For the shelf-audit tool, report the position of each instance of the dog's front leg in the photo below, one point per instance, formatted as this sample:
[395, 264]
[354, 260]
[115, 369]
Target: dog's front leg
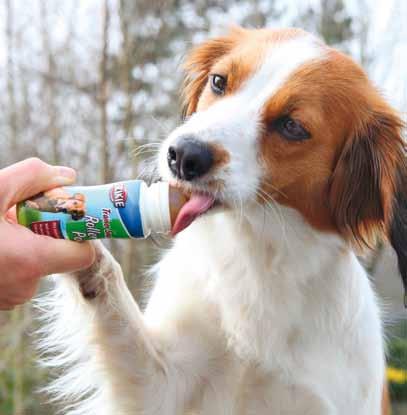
[112, 363]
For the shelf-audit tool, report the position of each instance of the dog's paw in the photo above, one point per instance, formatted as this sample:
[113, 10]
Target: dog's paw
[91, 286]
[93, 281]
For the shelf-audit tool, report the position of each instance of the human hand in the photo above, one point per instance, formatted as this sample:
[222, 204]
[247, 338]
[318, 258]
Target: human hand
[25, 257]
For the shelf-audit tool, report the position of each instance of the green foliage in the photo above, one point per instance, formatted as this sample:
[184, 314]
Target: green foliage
[397, 359]
[20, 376]
[6, 392]
[32, 404]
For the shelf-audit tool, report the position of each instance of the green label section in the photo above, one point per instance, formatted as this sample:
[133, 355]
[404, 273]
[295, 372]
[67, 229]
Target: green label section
[27, 216]
[91, 227]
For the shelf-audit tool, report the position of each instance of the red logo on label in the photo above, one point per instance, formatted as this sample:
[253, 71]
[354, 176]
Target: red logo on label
[48, 227]
[118, 195]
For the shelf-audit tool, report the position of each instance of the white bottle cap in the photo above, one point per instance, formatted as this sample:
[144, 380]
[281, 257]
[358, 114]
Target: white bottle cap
[155, 208]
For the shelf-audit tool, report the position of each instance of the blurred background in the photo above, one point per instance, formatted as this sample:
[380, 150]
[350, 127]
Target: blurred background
[93, 84]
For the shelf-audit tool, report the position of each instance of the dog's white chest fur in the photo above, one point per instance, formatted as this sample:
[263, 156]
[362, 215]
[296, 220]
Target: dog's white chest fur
[245, 318]
[277, 301]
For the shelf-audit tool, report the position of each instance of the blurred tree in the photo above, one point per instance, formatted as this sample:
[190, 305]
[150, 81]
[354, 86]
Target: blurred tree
[10, 71]
[103, 96]
[330, 20]
[50, 92]
[334, 24]
[49, 85]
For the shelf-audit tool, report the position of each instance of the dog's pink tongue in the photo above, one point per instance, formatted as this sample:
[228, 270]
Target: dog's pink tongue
[196, 205]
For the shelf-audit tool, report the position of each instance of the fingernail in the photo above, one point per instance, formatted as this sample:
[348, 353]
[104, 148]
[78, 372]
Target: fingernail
[65, 175]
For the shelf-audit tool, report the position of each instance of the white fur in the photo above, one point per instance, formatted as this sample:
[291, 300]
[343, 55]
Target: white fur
[254, 312]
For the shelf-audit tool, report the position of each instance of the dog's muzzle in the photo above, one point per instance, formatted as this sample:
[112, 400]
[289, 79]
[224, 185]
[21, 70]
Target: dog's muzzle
[189, 159]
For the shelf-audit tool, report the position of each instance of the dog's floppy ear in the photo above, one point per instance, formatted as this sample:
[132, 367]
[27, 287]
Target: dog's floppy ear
[198, 64]
[79, 196]
[365, 179]
[398, 226]
[368, 194]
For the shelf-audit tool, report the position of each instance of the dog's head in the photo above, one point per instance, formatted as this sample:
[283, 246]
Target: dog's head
[277, 114]
[73, 205]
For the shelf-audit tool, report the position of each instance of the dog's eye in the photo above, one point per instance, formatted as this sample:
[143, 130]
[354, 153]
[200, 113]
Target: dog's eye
[291, 129]
[218, 84]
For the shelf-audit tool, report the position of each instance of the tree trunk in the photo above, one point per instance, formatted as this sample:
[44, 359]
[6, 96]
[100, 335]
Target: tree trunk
[129, 256]
[103, 96]
[50, 85]
[103, 99]
[12, 106]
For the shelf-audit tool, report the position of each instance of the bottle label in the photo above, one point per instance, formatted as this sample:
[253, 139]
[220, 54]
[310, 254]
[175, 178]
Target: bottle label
[83, 213]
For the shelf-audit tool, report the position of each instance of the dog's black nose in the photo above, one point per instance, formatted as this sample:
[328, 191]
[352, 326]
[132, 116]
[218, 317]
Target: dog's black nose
[189, 159]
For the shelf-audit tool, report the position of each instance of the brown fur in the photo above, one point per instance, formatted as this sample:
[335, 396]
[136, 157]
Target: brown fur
[222, 56]
[343, 178]
[198, 65]
[386, 405]
[364, 180]
[221, 156]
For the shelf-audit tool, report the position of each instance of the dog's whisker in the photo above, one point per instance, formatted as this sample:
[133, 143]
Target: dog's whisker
[283, 223]
[254, 200]
[164, 129]
[241, 210]
[273, 207]
[145, 148]
[274, 188]
[142, 150]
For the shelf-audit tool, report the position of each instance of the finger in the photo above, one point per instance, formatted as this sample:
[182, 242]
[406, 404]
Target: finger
[11, 215]
[6, 306]
[58, 256]
[29, 177]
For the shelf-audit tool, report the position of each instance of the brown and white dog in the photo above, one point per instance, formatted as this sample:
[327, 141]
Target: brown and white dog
[59, 201]
[261, 306]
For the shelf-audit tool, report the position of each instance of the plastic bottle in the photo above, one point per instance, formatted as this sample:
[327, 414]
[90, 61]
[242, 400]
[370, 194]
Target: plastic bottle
[127, 209]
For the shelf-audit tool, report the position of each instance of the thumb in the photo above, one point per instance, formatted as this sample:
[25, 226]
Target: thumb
[29, 177]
